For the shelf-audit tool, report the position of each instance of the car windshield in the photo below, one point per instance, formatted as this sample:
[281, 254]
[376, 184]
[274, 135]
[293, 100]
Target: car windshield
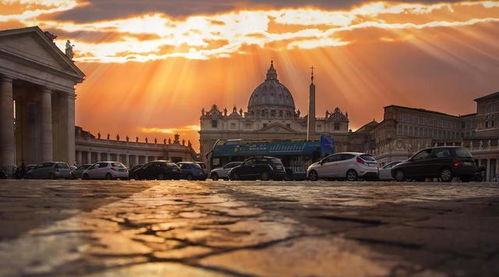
[276, 161]
[463, 153]
[368, 158]
[62, 165]
[230, 165]
[118, 165]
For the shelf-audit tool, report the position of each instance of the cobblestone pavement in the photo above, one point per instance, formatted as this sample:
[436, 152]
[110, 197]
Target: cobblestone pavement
[181, 228]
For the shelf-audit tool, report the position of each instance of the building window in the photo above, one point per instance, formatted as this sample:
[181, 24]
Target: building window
[288, 125]
[336, 126]
[272, 113]
[281, 113]
[264, 125]
[214, 124]
[233, 125]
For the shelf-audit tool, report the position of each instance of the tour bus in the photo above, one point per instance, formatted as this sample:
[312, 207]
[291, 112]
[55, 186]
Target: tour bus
[295, 155]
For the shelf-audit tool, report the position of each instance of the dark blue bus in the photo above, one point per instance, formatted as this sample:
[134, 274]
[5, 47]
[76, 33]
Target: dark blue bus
[295, 155]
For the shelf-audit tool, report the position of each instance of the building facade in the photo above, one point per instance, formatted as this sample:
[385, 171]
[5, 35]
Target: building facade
[271, 115]
[406, 130]
[37, 99]
[91, 149]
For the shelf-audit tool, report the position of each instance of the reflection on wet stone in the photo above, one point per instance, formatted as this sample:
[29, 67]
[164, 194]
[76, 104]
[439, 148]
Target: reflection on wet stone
[180, 228]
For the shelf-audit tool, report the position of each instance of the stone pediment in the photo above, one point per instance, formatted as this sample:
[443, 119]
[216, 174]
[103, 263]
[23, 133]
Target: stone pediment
[276, 128]
[33, 46]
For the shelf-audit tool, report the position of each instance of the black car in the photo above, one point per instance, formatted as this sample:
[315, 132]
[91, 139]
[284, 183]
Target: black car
[159, 170]
[259, 168]
[437, 162]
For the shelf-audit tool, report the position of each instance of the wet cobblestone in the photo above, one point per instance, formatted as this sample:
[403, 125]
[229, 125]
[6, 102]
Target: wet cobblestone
[181, 228]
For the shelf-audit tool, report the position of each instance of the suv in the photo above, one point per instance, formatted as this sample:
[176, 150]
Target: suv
[106, 170]
[259, 168]
[437, 162]
[49, 170]
[159, 170]
[347, 165]
[223, 172]
[192, 171]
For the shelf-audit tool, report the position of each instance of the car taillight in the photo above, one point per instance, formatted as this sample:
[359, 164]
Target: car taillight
[360, 160]
[456, 164]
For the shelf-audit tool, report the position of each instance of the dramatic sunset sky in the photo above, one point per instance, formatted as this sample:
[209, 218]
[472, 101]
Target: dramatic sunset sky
[152, 65]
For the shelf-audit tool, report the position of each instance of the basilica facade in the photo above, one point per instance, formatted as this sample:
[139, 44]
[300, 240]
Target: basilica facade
[271, 115]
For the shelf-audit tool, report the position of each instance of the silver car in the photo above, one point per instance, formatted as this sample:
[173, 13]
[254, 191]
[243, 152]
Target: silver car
[49, 170]
[223, 172]
[106, 170]
[347, 165]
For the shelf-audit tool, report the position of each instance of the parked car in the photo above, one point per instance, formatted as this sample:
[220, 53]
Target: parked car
[437, 162]
[49, 170]
[347, 165]
[3, 175]
[385, 173]
[259, 168]
[78, 172]
[191, 171]
[106, 170]
[223, 172]
[156, 170]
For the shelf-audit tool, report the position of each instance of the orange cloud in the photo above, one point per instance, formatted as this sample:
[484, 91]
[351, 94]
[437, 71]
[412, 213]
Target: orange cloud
[157, 36]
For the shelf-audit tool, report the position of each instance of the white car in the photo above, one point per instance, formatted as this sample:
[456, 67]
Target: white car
[385, 173]
[106, 170]
[346, 165]
[223, 172]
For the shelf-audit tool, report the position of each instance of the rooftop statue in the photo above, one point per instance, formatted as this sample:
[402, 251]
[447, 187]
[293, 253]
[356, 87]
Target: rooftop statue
[69, 49]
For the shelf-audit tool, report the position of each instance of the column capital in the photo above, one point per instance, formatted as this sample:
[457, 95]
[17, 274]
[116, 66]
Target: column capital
[6, 79]
[47, 90]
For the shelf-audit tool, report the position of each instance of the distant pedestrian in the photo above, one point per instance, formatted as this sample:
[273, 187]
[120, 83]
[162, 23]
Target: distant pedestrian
[22, 171]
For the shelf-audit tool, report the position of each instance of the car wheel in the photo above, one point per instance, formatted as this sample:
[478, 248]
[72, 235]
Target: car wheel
[420, 179]
[446, 175]
[51, 176]
[313, 176]
[214, 177]
[161, 176]
[399, 176]
[85, 176]
[265, 176]
[352, 175]
[109, 176]
[190, 177]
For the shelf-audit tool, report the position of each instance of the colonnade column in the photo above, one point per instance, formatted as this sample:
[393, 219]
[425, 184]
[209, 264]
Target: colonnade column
[7, 136]
[487, 178]
[47, 139]
[89, 157]
[70, 127]
[79, 157]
